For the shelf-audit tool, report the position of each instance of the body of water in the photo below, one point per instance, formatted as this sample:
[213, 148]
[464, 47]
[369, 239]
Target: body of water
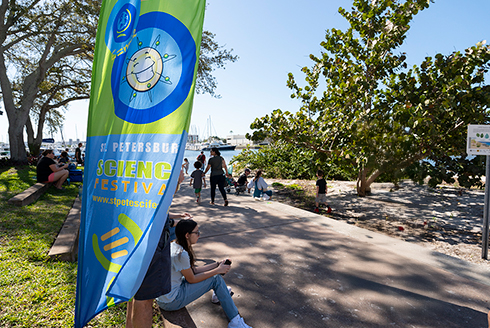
[191, 155]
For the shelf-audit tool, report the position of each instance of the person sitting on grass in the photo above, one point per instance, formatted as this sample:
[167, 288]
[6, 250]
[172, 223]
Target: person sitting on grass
[48, 171]
[64, 158]
[189, 282]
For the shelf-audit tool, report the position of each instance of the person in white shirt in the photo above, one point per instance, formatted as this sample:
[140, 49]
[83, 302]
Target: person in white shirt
[260, 186]
[189, 282]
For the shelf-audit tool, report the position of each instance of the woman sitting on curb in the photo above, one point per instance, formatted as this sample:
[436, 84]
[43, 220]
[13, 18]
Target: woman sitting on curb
[260, 186]
[50, 171]
[190, 282]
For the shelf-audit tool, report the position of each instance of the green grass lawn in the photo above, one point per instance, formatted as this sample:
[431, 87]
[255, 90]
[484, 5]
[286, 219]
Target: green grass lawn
[36, 291]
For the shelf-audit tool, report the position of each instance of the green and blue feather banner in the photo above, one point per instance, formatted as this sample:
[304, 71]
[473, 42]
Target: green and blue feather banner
[143, 83]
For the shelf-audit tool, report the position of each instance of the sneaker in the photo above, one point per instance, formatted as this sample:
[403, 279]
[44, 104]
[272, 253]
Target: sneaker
[316, 210]
[329, 209]
[214, 298]
[237, 322]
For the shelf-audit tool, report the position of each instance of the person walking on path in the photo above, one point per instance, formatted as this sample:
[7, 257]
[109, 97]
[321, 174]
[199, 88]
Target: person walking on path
[198, 180]
[202, 158]
[189, 282]
[321, 192]
[217, 164]
[50, 171]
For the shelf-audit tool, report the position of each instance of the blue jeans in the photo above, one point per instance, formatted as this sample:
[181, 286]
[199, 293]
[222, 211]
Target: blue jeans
[258, 192]
[172, 233]
[191, 292]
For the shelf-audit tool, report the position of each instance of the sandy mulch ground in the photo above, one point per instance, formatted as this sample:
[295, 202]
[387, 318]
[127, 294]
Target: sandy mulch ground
[446, 219]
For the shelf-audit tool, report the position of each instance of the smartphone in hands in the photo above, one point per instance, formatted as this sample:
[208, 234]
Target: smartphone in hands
[227, 262]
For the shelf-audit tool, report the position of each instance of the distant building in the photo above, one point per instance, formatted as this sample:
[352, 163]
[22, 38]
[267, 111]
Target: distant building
[238, 140]
[192, 138]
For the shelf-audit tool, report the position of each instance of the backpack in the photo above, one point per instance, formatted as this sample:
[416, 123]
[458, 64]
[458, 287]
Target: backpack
[257, 192]
[76, 176]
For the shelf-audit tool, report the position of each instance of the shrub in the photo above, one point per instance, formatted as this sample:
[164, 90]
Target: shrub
[286, 161]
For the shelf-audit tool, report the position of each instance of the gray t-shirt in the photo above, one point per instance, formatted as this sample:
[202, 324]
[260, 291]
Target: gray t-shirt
[216, 163]
[197, 176]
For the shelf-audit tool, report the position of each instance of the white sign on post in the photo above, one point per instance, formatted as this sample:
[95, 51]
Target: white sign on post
[478, 140]
[478, 143]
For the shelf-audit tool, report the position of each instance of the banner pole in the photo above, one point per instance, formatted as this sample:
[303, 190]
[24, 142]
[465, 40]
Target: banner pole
[484, 253]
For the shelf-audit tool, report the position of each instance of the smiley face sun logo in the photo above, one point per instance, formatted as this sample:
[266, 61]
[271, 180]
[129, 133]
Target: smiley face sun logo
[145, 70]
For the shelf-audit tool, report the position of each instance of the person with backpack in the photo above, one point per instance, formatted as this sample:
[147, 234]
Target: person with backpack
[202, 158]
[260, 186]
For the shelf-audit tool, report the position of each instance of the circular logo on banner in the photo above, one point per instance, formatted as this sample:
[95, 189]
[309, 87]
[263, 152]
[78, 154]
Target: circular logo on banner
[120, 26]
[153, 76]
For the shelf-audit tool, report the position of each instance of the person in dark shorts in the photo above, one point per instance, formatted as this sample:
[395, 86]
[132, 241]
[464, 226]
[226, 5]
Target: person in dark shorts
[198, 180]
[321, 192]
[139, 313]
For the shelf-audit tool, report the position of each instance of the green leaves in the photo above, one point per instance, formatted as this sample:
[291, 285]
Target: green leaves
[372, 108]
[212, 56]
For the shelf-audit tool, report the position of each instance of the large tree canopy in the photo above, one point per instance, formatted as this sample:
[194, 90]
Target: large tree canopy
[373, 111]
[43, 52]
[46, 53]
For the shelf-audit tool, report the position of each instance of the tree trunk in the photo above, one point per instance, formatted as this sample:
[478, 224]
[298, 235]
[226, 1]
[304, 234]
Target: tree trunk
[364, 182]
[34, 143]
[16, 139]
[16, 116]
[361, 182]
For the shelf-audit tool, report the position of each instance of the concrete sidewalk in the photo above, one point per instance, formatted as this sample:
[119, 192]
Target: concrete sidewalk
[293, 268]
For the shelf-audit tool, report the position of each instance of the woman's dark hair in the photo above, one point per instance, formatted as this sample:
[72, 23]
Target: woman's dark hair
[182, 228]
[216, 151]
[64, 154]
[197, 165]
[257, 175]
[47, 152]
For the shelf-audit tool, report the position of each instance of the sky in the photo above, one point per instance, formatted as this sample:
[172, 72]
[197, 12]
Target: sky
[273, 38]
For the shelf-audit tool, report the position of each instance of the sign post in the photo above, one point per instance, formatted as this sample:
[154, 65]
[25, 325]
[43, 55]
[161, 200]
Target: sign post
[484, 251]
[478, 143]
